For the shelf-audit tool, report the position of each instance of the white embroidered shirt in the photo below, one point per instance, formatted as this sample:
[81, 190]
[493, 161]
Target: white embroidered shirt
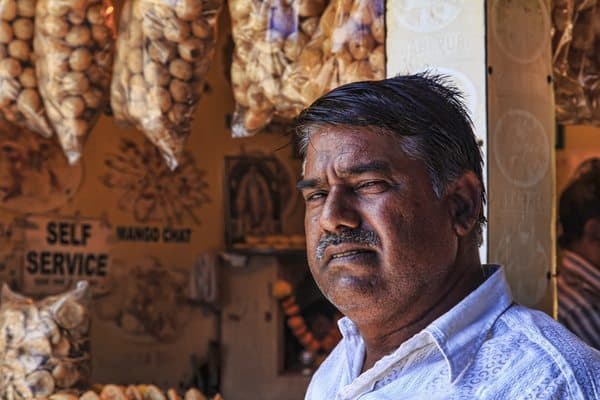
[485, 347]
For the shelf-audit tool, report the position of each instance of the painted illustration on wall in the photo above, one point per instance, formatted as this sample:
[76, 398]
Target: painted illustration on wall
[12, 249]
[147, 301]
[34, 174]
[149, 190]
[253, 197]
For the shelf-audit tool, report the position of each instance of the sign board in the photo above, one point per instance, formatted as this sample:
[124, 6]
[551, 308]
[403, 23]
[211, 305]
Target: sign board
[60, 251]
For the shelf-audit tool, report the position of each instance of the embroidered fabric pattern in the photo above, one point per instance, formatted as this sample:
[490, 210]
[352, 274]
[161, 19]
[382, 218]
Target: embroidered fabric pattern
[522, 354]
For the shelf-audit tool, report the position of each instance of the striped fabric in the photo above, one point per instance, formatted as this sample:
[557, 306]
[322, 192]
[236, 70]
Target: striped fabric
[579, 297]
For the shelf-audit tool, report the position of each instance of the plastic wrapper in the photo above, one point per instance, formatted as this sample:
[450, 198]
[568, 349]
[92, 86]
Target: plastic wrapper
[289, 53]
[269, 36]
[576, 61]
[74, 52]
[164, 50]
[348, 46]
[44, 346]
[20, 101]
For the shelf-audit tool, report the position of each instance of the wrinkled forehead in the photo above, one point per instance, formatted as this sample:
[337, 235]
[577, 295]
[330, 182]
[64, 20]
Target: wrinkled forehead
[343, 147]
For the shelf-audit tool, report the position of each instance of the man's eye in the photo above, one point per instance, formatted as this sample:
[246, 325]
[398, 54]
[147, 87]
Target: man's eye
[315, 196]
[371, 187]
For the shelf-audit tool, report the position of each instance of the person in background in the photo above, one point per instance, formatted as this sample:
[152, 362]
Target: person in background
[392, 183]
[579, 272]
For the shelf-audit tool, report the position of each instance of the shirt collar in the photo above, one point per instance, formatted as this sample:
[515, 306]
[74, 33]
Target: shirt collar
[347, 327]
[460, 332]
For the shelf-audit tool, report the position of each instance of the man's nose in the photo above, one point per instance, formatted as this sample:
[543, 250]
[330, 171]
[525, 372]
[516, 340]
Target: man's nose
[339, 210]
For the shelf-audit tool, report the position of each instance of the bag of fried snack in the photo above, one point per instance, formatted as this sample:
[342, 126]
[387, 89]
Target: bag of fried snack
[20, 101]
[164, 50]
[347, 47]
[44, 345]
[576, 61]
[269, 36]
[74, 51]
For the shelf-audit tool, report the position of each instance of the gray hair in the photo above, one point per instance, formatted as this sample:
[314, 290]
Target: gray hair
[423, 111]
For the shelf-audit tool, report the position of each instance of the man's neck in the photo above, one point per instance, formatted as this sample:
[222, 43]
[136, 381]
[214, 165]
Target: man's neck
[381, 342]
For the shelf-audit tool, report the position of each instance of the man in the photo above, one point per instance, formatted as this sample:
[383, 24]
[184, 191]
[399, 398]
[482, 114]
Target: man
[579, 274]
[393, 190]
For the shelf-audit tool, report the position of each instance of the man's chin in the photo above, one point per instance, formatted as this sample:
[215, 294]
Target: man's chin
[351, 292]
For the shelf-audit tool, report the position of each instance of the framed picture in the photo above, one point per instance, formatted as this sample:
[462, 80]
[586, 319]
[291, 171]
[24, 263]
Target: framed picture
[253, 199]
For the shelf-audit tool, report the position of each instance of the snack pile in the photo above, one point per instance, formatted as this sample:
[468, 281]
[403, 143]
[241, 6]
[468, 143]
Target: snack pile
[132, 392]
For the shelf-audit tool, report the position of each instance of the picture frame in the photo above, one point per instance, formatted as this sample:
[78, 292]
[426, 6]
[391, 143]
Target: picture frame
[253, 199]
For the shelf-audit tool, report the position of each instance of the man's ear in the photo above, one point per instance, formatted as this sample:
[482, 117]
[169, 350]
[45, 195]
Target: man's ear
[591, 229]
[464, 200]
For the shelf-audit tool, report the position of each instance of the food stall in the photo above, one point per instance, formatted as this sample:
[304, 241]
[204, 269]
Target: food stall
[145, 149]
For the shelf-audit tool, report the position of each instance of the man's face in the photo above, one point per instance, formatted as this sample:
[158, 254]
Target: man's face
[379, 241]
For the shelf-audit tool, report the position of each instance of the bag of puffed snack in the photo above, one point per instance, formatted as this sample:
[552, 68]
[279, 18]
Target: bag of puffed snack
[348, 46]
[164, 50]
[73, 46]
[20, 101]
[576, 61]
[269, 36]
[44, 345]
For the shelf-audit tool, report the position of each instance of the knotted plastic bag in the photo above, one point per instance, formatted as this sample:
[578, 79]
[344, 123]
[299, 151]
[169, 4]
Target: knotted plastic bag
[20, 101]
[348, 46]
[288, 53]
[44, 345]
[576, 61]
[73, 44]
[164, 50]
[269, 37]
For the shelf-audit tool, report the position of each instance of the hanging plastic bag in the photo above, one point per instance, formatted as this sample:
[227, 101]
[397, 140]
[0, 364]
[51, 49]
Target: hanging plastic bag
[44, 346]
[348, 46]
[164, 50]
[289, 53]
[576, 61]
[20, 101]
[74, 51]
[269, 37]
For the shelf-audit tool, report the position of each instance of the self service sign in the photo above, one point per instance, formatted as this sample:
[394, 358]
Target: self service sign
[61, 251]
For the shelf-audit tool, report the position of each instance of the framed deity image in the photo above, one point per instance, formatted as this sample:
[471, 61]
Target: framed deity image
[253, 201]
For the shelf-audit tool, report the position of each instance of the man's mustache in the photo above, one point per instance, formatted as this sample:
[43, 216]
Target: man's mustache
[355, 236]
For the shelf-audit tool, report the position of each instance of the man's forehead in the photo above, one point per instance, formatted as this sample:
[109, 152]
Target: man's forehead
[343, 145]
[341, 142]
[341, 158]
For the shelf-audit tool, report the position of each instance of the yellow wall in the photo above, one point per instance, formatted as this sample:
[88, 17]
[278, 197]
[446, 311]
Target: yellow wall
[580, 142]
[582, 137]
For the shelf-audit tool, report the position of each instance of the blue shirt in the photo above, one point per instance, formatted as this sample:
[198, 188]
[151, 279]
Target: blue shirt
[485, 347]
